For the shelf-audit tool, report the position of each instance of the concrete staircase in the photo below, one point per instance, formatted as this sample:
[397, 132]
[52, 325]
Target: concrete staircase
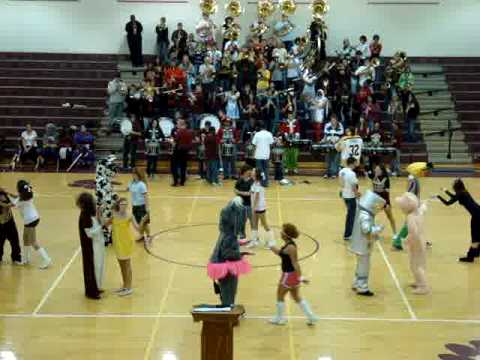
[430, 77]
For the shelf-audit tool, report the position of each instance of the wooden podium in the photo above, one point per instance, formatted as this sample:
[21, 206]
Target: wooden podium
[217, 332]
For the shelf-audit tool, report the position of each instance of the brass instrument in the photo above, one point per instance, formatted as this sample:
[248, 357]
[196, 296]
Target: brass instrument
[208, 7]
[259, 27]
[234, 8]
[232, 32]
[287, 7]
[265, 8]
[375, 62]
[319, 9]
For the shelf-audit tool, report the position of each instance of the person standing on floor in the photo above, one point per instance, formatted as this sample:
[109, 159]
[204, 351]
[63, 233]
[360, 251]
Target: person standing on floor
[415, 171]
[24, 203]
[227, 263]
[464, 198]
[259, 207]
[291, 278]
[242, 189]
[381, 186]
[130, 144]
[140, 202]
[365, 233]
[123, 242]
[92, 243]
[333, 133]
[349, 193]
[183, 143]
[8, 229]
[134, 38]
[416, 244]
[262, 140]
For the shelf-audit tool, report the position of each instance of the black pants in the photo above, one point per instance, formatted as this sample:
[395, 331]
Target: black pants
[8, 231]
[475, 229]
[152, 164]
[178, 166]
[135, 46]
[228, 289]
[129, 149]
[201, 168]
[350, 219]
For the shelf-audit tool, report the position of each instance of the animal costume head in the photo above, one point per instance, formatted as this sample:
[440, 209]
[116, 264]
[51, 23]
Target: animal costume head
[408, 203]
[372, 202]
[419, 169]
[105, 171]
[232, 220]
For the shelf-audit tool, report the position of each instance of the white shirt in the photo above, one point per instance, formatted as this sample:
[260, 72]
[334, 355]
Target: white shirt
[349, 181]
[281, 54]
[138, 189]
[207, 73]
[27, 210]
[351, 147]
[365, 49]
[30, 138]
[262, 140]
[364, 73]
[258, 191]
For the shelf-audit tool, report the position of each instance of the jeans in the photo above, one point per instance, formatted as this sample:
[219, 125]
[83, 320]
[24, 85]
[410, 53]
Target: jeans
[354, 85]
[262, 167]
[115, 113]
[411, 129]
[152, 164]
[212, 171]
[201, 168]
[229, 165]
[351, 210]
[333, 162]
[129, 149]
[162, 51]
[395, 165]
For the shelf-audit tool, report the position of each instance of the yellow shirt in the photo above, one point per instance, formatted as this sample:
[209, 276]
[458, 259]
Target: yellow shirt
[122, 237]
[263, 80]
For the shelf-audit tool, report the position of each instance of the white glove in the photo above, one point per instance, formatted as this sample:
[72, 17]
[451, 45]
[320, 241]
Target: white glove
[376, 229]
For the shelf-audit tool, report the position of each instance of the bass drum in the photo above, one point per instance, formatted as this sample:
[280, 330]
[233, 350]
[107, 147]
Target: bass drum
[167, 126]
[204, 118]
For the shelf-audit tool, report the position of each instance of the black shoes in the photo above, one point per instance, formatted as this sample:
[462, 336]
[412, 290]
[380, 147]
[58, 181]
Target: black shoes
[471, 255]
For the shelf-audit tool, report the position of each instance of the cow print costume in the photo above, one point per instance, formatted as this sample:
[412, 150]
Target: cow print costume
[105, 171]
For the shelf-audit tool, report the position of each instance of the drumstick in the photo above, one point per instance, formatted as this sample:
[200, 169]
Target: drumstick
[74, 162]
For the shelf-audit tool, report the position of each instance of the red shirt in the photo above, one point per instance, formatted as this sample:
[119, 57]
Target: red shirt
[184, 139]
[236, 135]
[211, 147]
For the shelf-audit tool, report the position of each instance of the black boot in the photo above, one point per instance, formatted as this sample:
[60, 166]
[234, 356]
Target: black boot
[471, 255]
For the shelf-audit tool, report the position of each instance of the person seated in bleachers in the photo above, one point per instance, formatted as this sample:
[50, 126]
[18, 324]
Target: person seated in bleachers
[28, 149]
[84, 143]
[49, 149]
[65, 147]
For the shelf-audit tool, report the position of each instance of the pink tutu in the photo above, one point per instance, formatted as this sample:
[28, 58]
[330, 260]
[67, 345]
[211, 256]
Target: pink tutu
[217, 271]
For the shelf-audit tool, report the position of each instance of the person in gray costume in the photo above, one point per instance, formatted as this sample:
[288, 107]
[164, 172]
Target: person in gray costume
[227, 263]
[365, 233]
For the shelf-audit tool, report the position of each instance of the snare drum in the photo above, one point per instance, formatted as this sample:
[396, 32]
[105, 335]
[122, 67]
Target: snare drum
[277, 154]
[227, 150]
[152, 148]
[201, 152]
[167, 126]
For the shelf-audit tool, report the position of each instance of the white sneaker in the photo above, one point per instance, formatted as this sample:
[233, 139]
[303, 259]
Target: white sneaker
[19, 263]
[312, 320]
[45, 264]
[253, 243]
[125, 292]
[278, 321]
[117, 291]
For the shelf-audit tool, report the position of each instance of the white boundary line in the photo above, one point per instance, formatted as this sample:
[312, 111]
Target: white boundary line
[56, 282]
[250, 317]
[413, 316]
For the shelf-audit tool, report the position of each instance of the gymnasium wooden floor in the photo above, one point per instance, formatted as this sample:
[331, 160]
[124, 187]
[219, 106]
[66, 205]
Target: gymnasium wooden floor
[44, 315]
